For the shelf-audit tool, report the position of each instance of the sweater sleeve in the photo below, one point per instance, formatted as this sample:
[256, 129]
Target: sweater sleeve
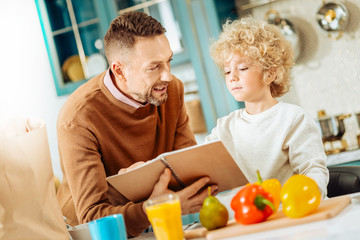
[213, 136]
[86, 177]
[306, 152]
[184, 136]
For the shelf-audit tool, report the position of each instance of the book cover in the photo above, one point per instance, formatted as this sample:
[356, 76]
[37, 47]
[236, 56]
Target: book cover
[187, 165]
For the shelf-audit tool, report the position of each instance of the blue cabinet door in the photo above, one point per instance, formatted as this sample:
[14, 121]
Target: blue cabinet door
[73, 31]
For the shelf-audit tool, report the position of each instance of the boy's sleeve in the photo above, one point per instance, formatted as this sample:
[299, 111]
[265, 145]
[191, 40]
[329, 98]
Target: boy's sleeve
[213, 136]
[306, 151]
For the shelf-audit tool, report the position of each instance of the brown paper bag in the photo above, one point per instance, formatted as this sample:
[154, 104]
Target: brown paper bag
[28, 205]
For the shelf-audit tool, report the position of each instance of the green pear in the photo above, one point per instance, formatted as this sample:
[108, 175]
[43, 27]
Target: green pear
[213, 214]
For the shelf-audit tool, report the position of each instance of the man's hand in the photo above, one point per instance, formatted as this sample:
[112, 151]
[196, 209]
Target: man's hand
[191, 201]
[135, 165]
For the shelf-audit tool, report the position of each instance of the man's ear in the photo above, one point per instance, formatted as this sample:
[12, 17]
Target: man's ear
[270, 75]
[118, 70]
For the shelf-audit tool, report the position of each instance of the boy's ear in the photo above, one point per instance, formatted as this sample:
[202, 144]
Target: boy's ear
[270, 75]
[118, 70]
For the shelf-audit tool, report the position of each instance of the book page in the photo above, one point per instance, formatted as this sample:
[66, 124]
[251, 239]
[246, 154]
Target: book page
[212, 160]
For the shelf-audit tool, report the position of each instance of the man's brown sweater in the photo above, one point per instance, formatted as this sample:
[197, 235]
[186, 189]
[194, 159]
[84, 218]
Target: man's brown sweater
[98, 135]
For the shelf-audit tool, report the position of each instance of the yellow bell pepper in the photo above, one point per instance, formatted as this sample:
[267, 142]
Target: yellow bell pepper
[271, 186]
[300, 196]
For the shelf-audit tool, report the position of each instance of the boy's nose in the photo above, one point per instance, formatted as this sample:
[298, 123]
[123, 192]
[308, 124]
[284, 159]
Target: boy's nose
[234, 77]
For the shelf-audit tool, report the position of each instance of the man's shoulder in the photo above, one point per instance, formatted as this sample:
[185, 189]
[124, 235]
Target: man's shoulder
[80, 100]
[175, 91]
[176, 84]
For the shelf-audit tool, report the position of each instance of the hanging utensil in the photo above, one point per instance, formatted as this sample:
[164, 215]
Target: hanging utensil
[287, 28]
[333, 17]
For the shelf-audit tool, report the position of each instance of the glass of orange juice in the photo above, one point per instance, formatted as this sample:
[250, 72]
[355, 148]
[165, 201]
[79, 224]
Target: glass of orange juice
[164, 214]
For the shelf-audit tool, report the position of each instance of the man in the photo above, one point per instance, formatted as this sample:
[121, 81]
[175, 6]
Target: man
[131, 113]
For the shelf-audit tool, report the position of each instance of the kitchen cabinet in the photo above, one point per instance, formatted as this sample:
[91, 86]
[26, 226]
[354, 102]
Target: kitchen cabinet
[73, 32]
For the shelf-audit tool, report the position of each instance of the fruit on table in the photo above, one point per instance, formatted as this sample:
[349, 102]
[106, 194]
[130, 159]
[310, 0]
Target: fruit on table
[252, 204]
[213, 214]
[272, 186]
[300, 196]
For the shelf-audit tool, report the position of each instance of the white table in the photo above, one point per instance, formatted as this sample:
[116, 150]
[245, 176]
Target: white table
[346, 225]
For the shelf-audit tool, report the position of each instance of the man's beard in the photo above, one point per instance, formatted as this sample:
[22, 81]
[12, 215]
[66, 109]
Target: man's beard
[149, 98]
[157, 102]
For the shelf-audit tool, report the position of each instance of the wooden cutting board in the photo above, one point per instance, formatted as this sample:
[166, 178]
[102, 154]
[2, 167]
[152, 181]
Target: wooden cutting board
[327, 209]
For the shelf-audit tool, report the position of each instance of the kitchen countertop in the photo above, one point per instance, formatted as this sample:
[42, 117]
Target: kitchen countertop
[343, 157]
[343, 226]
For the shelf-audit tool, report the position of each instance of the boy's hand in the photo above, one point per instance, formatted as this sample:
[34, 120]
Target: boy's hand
[191, 201]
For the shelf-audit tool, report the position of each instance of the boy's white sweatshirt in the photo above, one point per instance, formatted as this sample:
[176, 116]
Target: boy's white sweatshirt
[280, 142]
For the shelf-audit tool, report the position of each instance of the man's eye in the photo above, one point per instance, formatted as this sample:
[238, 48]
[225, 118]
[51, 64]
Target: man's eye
[153, 68]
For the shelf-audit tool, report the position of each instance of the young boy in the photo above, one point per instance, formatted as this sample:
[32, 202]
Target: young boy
[277, 138]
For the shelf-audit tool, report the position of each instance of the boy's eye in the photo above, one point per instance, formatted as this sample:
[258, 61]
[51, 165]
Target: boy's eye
[227, 72]
[243, 69]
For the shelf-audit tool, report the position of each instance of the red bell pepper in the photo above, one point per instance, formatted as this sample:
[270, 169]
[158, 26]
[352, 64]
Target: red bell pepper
[252, 204]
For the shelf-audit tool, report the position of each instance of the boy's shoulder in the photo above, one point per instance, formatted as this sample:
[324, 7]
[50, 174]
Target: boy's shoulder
[234, 114]
[229, 119]
[292, 108]
[295, 112]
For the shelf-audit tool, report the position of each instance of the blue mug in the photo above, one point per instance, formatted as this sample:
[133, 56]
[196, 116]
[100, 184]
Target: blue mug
[111, 227]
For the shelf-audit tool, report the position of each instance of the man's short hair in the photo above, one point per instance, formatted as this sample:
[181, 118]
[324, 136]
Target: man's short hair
[123, 31]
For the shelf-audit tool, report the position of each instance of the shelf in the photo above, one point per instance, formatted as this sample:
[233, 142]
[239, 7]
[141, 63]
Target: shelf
[80, 25]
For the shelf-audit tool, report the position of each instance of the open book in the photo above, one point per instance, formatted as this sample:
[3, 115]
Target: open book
[187, 165]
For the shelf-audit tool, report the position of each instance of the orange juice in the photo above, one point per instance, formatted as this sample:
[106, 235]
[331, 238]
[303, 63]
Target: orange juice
[164, 214]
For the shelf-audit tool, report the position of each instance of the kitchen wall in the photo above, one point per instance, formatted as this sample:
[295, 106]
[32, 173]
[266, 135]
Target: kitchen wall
[327, 73]
[27, 87]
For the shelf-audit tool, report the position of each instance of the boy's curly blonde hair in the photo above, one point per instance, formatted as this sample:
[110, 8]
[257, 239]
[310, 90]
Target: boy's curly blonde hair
[262, 44]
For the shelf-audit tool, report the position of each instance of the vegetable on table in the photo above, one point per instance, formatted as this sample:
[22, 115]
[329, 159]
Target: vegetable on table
[272, 186]
[252, 204]
[300, 196]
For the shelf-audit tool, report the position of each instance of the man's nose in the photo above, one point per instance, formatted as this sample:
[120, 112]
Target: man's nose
[166, 75]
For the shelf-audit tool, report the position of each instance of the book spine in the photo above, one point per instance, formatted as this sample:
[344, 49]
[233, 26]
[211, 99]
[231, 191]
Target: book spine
[173, 173]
